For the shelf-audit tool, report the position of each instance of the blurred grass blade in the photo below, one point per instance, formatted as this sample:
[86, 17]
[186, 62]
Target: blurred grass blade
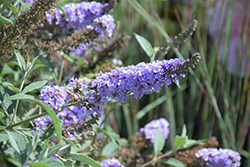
[150, 106]
[170, 110]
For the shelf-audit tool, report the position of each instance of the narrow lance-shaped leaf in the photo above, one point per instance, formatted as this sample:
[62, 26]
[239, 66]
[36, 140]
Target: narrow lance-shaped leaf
[38, 164]
[34, 85]
[20, 60]
[12, 86]
[50, 162]
[146, 46]
[54, 118]
[20, 143]
[4, 20]
[65, 14]
[85, 158]
[20, 96]
[45, 150]
[52, 114]
[13, 143]
[159, 142]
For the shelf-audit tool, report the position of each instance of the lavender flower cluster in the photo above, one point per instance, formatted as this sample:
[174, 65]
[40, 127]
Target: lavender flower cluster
[111, 162]
[40, 124]
[212, 157]
[88, 15]
[150, 129]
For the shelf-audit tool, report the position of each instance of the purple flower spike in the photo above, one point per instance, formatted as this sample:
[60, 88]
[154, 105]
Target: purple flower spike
[111, 162]
[119, 84]
[151, 128]
[212, 157]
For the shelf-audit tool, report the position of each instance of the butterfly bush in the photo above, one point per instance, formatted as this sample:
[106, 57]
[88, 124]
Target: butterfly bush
[213, 157]
[137, 80]
[150, 129]
[88, 96]
[111, 162]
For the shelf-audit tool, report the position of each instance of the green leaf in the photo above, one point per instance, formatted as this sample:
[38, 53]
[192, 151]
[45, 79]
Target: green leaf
[20, 60]
[113, 136]
[51, 162]
[159, 142]
[179, 141]
[172, 162]
[110, 149]
[53, 150]
[190, 142]
[35, 140]
[37, 66]
[38, 164]
[85, 159]
[44, 153]
[50, 67]
[12, 86]
[6, 104]
[184, 131]
[84, 146]
[4, 20]
[7, 70]
[146, 46]
[150, 106]
[3, 136]
[56, 122]
[14, 9]
[48, 133]
[13, 142]
[32, 64]
[34, 85]
[4, 5]
[81, 61]
[178, 84]
[52, 114]
[20, 143]
[20, 96]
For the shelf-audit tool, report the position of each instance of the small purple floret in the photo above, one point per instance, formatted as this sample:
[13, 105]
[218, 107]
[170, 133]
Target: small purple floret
[212, 157]
[111, 162]
[151, 128]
